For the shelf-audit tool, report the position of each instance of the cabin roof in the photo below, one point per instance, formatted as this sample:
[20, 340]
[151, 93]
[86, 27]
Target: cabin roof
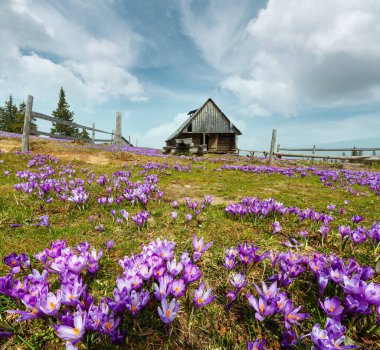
[192, 114]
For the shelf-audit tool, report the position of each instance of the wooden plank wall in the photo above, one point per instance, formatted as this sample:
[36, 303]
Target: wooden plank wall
[226, 142]
[211, 120]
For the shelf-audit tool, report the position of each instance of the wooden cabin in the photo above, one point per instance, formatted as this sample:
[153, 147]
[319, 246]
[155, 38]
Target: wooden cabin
[208, 128]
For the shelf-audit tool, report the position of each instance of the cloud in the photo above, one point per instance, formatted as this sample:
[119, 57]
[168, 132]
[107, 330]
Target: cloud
[292, 54]
[159, 134]
[45, 45]
[217, 29]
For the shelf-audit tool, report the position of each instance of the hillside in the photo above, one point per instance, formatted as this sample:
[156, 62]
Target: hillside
[310, 227]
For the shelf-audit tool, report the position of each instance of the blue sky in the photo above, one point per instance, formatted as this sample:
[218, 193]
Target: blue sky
[309, 70]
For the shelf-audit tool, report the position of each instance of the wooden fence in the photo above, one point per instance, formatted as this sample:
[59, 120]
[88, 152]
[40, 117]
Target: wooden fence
[285, 152]
[116, 137]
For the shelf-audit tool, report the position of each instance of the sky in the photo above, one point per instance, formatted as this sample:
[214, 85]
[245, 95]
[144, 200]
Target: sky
[308, 68]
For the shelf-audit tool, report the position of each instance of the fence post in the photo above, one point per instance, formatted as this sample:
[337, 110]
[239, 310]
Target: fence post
[93, 132]
[129, 140]
[26, 129]
[273, 142]
[118, 131]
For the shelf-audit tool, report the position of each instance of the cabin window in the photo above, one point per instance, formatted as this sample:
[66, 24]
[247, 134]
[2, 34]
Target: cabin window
[190, 127]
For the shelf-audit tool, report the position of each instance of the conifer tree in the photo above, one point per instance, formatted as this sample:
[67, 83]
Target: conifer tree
[8, 115]
[63, 112]
[85, 135]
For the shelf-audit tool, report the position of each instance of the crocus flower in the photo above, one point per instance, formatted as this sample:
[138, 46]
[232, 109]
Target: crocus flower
[76, 263]
[136, 301]
[356, 219]
[191, 273]
[332, 307]
[110, 244]
[267, 293]
[256, 345]
[167, 312]
[162, 290]
[276, 227]
[73, 334]
[199, 247]
[14, 261]
[261, 306]
[174, 215]
[372, 293]
[51, 305]
[202, 298]
[188, 217]
[178, 288]
[238, 280]
[292, 316]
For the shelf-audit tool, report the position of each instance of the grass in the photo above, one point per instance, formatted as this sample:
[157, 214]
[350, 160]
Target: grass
[212, 327]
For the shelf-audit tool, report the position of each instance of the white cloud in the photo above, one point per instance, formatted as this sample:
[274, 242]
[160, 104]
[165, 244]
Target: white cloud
[46, 45]
[159, 134]
[300, 53]
[216, 27]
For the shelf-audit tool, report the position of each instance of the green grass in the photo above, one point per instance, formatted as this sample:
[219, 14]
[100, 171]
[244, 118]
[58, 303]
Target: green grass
[212, 327]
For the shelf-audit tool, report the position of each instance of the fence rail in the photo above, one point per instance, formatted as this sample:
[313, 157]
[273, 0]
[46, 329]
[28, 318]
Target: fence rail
[65, 122]
[284, 152]
[117, 137]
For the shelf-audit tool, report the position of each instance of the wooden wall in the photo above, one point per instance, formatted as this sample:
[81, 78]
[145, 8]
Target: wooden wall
[211, 120]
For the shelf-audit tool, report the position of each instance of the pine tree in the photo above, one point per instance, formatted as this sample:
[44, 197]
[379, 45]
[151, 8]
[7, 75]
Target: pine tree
[8, 115]
[63, 112]
[18, 123]
[85, 135]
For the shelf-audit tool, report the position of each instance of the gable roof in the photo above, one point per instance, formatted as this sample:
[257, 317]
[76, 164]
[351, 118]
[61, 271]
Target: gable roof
[185, 124]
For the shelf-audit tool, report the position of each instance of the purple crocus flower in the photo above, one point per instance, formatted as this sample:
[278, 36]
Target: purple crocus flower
[188, 217]
[174, 215]
[178, 288]
[199, 247]
[261, 306]
[276, 227]
[51, 305]
[372, 293]
[267, 293]
[191, 273]
[356, 219]
[167, 312]
[238, 280]
[76, 263]
[174, 268]
[292, 316]
[14, 261]
[110, 244]
[202, 297]
[324, 230]
[136, 301]
[73, 334]
[256, 345]
[332, 307]
[163, 289]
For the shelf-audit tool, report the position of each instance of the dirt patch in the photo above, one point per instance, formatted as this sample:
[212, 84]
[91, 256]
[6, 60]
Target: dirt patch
[99, 159]
[180, 192]
[10, 145]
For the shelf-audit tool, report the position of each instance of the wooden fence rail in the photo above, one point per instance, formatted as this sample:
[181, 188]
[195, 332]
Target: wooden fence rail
[280, 152]
[117, 138]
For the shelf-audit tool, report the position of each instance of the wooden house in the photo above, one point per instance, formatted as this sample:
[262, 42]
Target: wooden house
[209, 128]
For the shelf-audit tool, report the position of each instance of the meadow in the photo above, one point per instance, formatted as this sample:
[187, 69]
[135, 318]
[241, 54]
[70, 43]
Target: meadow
[106, 249]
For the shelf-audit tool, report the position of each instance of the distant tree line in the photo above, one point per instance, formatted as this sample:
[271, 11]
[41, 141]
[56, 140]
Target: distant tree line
[12, 118]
